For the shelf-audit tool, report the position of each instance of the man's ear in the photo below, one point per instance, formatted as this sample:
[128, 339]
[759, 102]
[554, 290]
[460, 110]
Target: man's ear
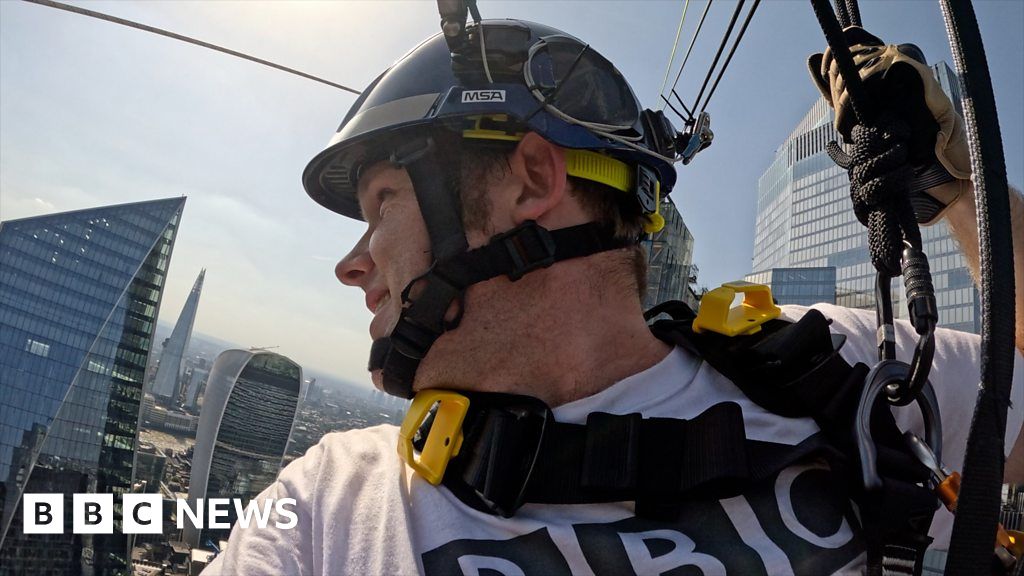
[540, 166]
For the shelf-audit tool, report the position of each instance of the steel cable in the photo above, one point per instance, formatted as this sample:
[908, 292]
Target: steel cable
[182, 38]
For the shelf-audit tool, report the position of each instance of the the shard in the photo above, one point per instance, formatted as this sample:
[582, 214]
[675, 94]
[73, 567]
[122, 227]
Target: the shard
[167, 382]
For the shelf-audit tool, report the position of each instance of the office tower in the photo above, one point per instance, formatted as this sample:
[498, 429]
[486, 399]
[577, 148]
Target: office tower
[167, 383]
[804, 286]
[248, 411]
[670, 260]
[79, 294]
[309, 392]
[196, 383]
[149, 467]
[805, 219]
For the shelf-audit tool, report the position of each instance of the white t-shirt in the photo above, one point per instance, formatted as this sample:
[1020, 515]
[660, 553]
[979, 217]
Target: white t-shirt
[362, 511]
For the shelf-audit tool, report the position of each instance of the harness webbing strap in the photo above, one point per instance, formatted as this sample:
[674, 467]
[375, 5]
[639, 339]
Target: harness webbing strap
[656, 462]
[513, 452]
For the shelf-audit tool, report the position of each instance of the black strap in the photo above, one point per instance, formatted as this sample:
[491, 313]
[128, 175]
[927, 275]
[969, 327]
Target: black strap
[427, 299]
[528, 247]
[431, 166]
[656, 462]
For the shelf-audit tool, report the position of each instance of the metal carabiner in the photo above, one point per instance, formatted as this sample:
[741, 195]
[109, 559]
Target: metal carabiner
[885, 374]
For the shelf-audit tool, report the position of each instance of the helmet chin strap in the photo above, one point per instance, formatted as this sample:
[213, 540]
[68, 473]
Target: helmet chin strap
[427, 300]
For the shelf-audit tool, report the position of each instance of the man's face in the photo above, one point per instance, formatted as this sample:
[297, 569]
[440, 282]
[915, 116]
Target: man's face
[394, 250]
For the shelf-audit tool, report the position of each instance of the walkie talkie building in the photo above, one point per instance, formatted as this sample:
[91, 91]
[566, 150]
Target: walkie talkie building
[247, 417]
[79, 294]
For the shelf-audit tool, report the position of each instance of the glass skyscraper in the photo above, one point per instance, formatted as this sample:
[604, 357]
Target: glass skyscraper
[803, 286]
[247, 417]
[805, 219]
[79, 294]
[669, 260]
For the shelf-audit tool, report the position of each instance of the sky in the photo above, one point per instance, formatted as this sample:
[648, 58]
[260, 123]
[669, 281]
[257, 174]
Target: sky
[93, 114]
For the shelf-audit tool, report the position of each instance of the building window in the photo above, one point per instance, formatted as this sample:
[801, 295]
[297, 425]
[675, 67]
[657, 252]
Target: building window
[38, 348]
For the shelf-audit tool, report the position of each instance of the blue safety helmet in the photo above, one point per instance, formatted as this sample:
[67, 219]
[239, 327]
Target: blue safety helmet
[535, 77]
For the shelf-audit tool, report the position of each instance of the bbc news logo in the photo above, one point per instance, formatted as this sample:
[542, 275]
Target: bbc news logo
[143, 513]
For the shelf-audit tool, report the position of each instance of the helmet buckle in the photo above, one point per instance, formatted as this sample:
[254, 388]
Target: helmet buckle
[529, 247]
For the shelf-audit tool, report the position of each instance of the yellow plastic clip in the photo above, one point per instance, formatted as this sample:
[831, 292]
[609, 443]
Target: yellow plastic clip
[445, 437]
[717, 315]
[655, 222]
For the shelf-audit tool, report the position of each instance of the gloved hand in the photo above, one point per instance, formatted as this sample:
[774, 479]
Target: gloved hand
[898, 78]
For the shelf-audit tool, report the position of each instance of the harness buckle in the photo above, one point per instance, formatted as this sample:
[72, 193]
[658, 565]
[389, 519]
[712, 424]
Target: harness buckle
[412, 340]
[530, 247]
[440, 413]
[504, 434]
[419, 325]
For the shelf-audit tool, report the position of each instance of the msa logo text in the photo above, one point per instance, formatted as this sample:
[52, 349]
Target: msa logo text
[483, 96]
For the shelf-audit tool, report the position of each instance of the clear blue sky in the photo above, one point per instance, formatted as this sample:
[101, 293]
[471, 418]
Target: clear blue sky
[92, 113]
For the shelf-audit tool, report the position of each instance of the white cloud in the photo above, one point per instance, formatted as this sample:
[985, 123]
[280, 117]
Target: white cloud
[44, 205]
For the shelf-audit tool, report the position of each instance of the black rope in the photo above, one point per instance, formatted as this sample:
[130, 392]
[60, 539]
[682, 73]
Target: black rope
[732, 51]
[844, 60]
[842, 13]
[721, 47]
[176, 36]
[679, 100]
[853, 10]
[690, 48]
[673, 108]
[879, 177]
[973, 536]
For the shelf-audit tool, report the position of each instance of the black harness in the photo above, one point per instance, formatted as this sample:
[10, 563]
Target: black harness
[513, 452]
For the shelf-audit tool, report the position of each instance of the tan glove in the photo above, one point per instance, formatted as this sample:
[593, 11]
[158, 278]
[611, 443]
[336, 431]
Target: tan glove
[896, 76]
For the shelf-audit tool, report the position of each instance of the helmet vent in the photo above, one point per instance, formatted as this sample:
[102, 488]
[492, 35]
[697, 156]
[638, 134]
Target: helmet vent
[336, 177]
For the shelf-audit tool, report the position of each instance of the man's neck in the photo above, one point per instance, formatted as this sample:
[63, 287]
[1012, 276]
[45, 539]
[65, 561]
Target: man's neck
[557, 334]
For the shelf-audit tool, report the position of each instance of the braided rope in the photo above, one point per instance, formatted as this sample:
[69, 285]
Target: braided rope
[879, 180]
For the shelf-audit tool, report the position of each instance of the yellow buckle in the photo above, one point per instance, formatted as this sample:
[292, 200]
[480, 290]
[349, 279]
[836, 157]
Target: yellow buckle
[444, 439]
[717, 314]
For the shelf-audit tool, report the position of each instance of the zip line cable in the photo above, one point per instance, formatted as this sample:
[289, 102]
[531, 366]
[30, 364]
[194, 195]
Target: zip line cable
[175, 36]
[728, 58]
[714, 64]
[672, 56]
[689, 50]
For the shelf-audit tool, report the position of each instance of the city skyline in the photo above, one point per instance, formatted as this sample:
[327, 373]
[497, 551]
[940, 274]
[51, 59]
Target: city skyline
[96, 114]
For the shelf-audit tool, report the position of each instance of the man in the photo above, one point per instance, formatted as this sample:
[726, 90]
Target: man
[504, 178]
